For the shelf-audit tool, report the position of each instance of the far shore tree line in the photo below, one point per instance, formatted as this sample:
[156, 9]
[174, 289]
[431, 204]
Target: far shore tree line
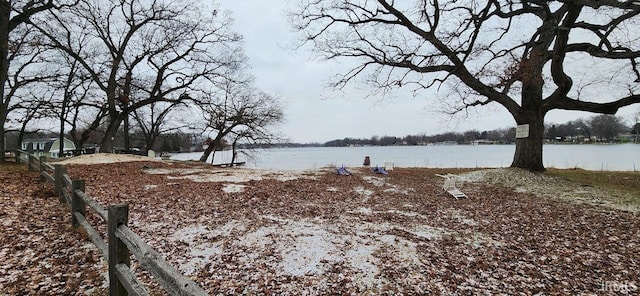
[597, 129]
[128, 74]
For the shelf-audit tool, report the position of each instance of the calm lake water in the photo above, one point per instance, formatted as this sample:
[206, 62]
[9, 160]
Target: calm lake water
[618, 157]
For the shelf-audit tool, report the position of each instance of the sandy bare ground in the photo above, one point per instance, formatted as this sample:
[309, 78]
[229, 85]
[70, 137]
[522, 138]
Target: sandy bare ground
[99, 158]
[237, 231]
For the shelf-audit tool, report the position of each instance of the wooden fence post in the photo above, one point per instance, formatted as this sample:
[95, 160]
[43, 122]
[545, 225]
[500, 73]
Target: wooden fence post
[118, 251]
[17, 156]
[77, 203]
[30, 161]
[42, 159]
[59, 184]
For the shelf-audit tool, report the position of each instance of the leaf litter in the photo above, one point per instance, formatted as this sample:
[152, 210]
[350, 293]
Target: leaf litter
[318, 233]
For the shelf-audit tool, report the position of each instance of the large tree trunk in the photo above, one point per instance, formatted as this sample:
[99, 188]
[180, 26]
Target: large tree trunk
[61, 136]
[127, 144]
[5, 14]
[207, 152]
[234, 153]
[149, 142]
[215, 143]
[2, 141]
[528, 153]
[106, 146]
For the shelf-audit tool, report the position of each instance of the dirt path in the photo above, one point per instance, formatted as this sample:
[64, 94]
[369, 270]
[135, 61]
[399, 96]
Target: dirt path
[41, 254]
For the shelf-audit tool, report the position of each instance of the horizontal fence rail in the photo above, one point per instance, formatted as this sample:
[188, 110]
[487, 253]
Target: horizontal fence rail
[121, 241]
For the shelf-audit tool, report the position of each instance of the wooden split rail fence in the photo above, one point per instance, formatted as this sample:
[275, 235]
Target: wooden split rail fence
[121, 241]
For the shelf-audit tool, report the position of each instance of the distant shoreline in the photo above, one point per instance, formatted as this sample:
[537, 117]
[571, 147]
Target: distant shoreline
[598, 157]
[299, 145]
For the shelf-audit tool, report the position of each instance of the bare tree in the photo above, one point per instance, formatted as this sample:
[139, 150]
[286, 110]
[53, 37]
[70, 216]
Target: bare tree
[153, 121]
[71, 91]
[242, 112]
[583, 128]
[157, 50]
[17, 52]
[29, 109]
[259, 132]
[526, 56]
[606, 127]
[75, 98]
[25, 99]
[83, 113]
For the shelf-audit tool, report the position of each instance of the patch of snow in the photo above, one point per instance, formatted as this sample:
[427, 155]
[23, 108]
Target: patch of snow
[403, 251]
[219, 178]
[375, 181]
[150, 186]
[379, 182]
[196, 233]
[233, 188]
[201, 247]
[287, 177]
[188, 234]
[363, 210]
[520, 189]
[155, 225]
[275, 218]
[428, 232]
[199, 256]
[307, 252]
[156, 171]
[457, 214]
[360, 190]
[406, 214]
[231, 175]
[260, 238]
[307, 246]
[396, 189]
[361, 258]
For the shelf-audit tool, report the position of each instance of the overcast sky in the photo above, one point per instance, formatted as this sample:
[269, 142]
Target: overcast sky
[315, 113]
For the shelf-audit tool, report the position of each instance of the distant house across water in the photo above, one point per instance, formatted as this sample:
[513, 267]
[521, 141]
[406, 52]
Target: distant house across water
[49, 147]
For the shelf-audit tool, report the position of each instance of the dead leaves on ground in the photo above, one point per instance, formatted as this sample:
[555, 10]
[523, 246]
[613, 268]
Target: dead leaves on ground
[41, 253]
[415, 238]
[499, 241]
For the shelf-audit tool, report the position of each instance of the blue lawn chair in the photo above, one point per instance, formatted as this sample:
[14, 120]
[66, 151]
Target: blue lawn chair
[343, 171]
[379, 170]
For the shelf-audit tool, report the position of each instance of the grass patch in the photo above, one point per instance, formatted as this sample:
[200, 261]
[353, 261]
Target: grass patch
[624, 184]
[629, 181]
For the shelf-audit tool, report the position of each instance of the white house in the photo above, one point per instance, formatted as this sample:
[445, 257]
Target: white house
[49, 147]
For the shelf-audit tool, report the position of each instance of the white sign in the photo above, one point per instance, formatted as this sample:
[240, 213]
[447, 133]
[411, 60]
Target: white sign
[522, 131]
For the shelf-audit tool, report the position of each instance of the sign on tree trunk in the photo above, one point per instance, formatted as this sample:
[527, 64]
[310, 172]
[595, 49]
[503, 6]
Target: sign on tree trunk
[522, 131]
